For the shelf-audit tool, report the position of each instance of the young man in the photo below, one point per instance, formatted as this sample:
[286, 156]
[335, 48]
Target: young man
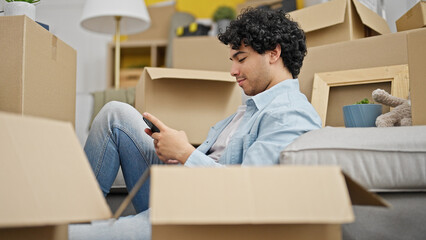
[267, 51]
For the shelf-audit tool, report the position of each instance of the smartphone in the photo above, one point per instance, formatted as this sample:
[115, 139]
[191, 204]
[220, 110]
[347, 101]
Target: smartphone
[151, 126]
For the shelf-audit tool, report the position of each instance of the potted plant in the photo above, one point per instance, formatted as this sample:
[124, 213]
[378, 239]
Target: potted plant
[361, 114]
[20, 7]
[223, 16]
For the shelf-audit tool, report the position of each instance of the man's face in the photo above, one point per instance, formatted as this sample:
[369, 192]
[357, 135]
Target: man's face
[251, 70]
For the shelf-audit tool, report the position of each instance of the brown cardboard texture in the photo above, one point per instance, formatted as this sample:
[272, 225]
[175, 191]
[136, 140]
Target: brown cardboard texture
[189, 100]
[414, 18]
[38, 71]
[290, 202]
[187, 52]
[161, 17]
[46, 177]
[337, 21]
[258, 3]
[387, 50]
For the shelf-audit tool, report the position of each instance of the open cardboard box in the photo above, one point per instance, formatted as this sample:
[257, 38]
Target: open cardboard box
[189, 100]
[279, 202]
[387, 50]
[37, 71]
[414, 18]
[337, 21]
[46, 181]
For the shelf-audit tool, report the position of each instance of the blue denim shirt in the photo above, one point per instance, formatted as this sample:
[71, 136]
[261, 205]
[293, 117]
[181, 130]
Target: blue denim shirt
[273, 119]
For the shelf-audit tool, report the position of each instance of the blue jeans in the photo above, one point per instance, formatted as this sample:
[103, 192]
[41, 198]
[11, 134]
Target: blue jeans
[117, 138]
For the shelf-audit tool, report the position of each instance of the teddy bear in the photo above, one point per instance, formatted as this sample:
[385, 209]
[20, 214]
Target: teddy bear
[400, 115]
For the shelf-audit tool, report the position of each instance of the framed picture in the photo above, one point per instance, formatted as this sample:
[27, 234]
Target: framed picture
[397, 75]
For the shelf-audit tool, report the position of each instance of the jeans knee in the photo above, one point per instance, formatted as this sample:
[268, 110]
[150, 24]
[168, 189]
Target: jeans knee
[115, 106]
[113, 112]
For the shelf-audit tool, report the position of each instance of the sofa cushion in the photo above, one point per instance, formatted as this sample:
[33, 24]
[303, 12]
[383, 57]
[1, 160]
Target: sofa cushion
[381, 159]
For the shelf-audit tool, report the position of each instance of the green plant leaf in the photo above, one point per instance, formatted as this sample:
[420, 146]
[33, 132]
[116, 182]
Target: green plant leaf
[28, 1]
[224, 12]
[364, 101]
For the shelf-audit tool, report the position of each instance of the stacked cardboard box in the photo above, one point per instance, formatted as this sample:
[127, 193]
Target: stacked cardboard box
[391, 49]
[338, 21]
[37, 71]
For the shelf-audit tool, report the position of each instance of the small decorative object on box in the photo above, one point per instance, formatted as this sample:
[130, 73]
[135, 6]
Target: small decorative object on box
[223, 16]
[399, 116]
[193, 29]
[361, 114]
[20, 7]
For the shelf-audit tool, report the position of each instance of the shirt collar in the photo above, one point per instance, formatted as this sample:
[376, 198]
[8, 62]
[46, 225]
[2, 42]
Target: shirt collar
[262, 99]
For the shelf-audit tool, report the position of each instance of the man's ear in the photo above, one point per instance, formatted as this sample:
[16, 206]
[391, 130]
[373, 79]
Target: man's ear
[275, 54]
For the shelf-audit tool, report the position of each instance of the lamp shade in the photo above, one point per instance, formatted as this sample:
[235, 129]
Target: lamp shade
[99, 16]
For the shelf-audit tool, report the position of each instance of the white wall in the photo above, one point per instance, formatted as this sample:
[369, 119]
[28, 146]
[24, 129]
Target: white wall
[63, 16]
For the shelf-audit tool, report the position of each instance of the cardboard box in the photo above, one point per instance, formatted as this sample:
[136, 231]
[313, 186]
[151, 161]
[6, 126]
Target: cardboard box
[280, 202]
[259, 3]
[46, 178]
[414, 18]
[391, 49]
[37, 71]
[189, 100]
[338, 21]
[187, 51]
[129, 77]
[161, 18]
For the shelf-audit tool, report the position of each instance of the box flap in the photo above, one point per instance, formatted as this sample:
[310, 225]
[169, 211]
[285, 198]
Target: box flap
[413, 18]
[172, 73]
[235, 195]
[45, 175]
[321, 15]
[371, 19]
[360, 196]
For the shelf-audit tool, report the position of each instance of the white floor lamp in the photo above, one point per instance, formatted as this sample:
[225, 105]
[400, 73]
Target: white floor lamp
[115, 17]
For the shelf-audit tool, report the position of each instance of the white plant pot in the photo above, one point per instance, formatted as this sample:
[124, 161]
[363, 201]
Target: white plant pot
[222, 25]
[19, 8]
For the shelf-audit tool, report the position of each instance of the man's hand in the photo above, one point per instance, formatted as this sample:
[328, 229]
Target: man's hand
[170, 144]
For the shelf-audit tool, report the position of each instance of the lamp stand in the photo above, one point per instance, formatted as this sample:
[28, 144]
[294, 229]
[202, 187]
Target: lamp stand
[117, 52]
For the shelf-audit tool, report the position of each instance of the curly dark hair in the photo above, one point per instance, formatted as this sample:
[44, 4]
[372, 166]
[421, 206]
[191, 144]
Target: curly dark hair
[263, 29]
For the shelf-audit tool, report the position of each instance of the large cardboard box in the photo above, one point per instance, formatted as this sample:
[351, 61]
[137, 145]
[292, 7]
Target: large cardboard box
[338, 21]
[187, 51]
[37, 71]
[280, 202]
[391, 49]
[46, 181]
[189, 100]
[414, 18]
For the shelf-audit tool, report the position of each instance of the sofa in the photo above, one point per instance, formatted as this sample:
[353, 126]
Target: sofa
[388, 161]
